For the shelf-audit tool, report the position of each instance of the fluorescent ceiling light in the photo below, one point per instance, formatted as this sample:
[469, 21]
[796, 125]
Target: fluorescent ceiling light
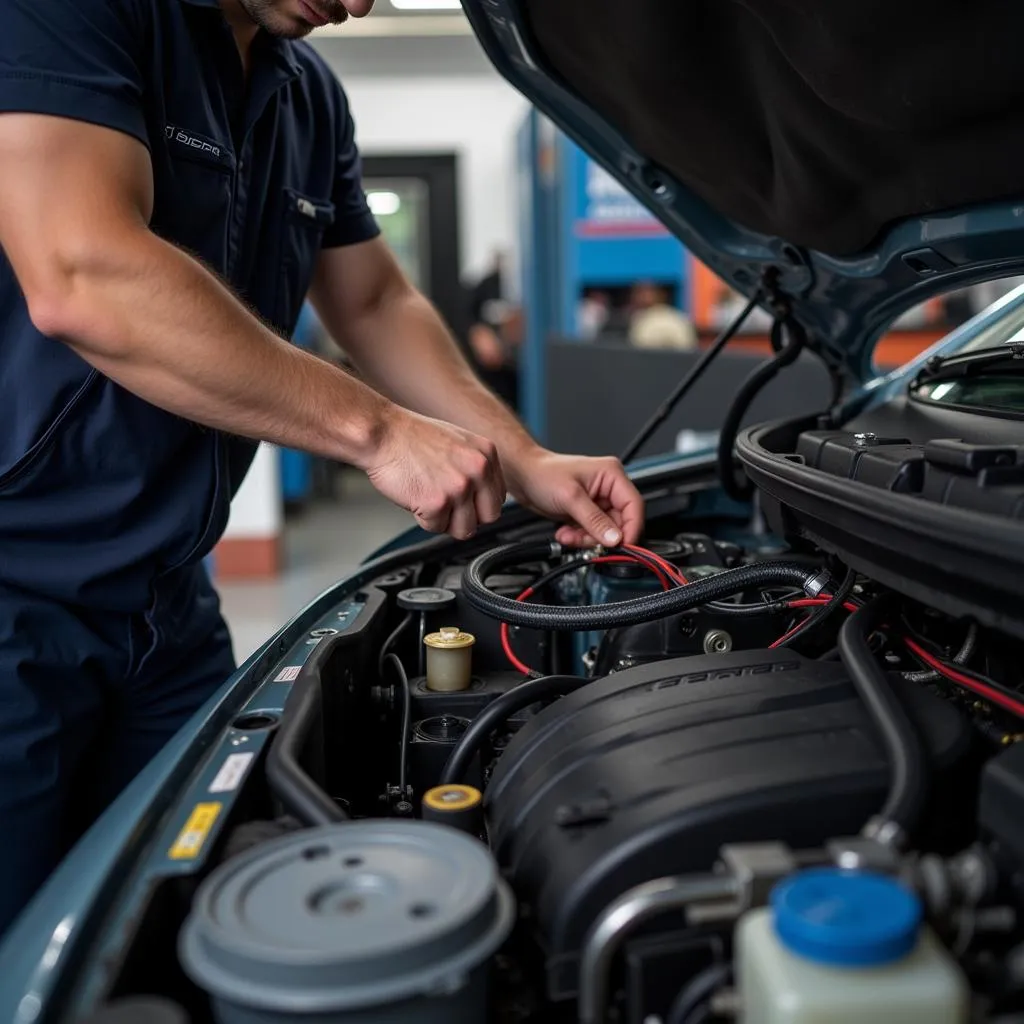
[426, 5]
[383, 204]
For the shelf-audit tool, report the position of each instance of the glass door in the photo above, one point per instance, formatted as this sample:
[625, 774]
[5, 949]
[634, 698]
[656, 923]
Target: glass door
[402, 209]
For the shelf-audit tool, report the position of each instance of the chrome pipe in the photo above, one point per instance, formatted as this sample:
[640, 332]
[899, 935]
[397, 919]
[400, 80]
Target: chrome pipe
[624, 916]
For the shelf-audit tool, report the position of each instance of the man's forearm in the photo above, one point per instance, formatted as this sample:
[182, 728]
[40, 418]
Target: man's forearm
[153, 319]
[405, 350]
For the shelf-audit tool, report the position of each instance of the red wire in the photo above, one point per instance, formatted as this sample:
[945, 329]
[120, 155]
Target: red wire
[785, 636]
[966, 681]
[808, 602]
[506, 646]
[673, 571]
[506, 636]
[814, 602]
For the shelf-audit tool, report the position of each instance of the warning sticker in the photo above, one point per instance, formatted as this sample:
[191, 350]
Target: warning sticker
[288, 674]
[192, 837]
[231, 773]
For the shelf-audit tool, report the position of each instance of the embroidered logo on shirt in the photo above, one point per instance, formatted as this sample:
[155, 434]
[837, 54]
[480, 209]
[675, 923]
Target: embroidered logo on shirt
[193, 141]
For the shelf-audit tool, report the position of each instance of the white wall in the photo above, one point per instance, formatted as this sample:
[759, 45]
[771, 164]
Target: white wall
[477, 119]
[471, 112]
[257, 510]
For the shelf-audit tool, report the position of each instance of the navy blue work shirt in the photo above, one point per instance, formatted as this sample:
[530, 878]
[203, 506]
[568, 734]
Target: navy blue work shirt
[101, 492]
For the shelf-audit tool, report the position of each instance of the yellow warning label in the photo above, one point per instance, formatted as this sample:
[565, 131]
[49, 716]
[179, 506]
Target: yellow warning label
[192, 837]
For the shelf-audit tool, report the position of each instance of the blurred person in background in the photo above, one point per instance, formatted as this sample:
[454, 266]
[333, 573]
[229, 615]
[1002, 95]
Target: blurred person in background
[656, 323]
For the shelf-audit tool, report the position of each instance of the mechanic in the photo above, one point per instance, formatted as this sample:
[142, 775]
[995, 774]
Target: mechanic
[176, 176]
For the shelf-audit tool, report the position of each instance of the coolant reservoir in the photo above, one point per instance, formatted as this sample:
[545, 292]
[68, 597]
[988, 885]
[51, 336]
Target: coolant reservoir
[840, 947]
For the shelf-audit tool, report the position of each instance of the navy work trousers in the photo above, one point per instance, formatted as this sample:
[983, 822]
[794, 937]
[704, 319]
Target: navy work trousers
[86, 700]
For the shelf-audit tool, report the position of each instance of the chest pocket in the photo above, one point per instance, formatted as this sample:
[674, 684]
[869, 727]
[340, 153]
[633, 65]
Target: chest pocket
[194, 189]
[305, 221]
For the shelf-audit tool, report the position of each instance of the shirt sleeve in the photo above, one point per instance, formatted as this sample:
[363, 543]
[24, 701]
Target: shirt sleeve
[353, 221]
[78, 59]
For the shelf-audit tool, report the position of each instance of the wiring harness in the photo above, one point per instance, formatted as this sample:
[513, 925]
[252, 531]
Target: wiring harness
[677, 598]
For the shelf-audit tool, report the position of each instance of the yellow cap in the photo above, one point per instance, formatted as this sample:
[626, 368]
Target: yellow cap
[452, 798]
[450, 638]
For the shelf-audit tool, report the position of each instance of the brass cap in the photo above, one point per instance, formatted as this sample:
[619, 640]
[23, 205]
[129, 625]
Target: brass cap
[449, 638]
[452, 798]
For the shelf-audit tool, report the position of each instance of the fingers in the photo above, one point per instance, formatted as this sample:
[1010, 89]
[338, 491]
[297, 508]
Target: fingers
[596, 524]
[489, 483]
[472, 492]
[629, 506]
[573, 537]
[436, 520]
[463, 522]
[450, 479]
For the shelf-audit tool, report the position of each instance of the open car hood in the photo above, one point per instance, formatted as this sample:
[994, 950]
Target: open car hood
[865, 156]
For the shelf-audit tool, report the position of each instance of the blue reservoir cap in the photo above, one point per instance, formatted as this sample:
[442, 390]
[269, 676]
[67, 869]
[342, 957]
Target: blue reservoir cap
[845, 918]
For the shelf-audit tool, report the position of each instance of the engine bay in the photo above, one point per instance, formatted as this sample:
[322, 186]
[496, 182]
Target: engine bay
[520, 783]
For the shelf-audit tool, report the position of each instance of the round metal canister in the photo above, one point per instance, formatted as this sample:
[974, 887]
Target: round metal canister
[376, 922]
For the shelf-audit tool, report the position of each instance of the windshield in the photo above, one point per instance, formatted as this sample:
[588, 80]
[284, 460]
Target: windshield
[1007, 328]
[997, 392]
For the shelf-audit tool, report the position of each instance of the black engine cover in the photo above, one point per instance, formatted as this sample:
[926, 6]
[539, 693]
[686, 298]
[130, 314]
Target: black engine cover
[648, 772]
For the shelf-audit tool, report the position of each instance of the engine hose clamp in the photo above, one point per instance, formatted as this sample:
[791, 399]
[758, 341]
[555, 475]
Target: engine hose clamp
[816, 584]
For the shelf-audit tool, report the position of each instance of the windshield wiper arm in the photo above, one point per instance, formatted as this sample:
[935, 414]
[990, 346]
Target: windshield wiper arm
[938, 368]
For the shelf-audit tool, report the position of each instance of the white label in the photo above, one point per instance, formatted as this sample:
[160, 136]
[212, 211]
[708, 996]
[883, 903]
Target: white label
[288, 675]
[231, 773]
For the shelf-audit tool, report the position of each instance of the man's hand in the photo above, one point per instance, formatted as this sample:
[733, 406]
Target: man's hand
[447, 477]
[594, 496]
[401, 346]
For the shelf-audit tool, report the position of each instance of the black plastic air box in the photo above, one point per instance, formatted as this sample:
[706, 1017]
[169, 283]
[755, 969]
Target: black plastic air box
[648, 772]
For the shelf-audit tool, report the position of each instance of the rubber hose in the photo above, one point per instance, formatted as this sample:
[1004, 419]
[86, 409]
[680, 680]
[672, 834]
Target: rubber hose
[741, 403]
[617, 613]
[392, 640]
[403, 756]
[908, 763]
[698, 993]
[748, 610]
[299, 795]
[499, 711]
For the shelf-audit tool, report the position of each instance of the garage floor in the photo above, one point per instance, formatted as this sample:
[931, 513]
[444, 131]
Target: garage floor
[323, 543]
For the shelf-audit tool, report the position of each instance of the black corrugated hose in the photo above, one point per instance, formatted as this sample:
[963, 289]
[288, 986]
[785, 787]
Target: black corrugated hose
[499, 711]
[570, 618]
[908, 763]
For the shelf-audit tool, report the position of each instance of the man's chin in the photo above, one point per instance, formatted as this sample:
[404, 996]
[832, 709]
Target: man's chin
[289, 28]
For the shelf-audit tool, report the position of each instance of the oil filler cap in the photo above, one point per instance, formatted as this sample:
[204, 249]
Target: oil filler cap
[426, 599]
[846, 918]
